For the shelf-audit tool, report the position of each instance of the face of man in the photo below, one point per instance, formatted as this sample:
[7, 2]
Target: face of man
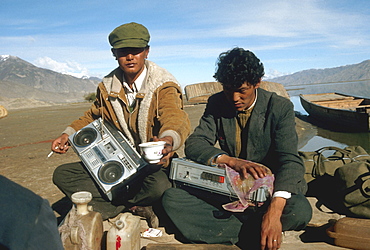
[243, 97]
[131, 61]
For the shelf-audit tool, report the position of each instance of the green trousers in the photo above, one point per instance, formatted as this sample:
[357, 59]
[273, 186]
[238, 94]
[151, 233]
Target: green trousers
[145, 191]
[206, 222]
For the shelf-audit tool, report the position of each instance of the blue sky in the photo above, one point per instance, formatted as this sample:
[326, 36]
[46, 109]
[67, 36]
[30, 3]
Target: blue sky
[70, 36]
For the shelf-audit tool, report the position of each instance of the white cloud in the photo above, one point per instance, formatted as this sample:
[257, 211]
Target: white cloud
[307, 21]
[68, 68]
[272, 73]
[287, 35]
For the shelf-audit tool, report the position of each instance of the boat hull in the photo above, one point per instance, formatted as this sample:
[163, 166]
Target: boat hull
[337, 117]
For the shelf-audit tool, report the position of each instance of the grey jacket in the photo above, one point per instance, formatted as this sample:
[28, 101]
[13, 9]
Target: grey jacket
[271, 138]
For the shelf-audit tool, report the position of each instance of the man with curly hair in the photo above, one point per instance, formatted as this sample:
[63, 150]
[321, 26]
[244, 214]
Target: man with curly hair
[252, 124]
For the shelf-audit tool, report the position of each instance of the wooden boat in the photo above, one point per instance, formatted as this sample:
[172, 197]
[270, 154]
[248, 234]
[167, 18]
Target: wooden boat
[338, 109]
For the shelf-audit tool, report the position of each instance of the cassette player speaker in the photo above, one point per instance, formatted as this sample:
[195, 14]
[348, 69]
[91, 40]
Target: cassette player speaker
[108, 156]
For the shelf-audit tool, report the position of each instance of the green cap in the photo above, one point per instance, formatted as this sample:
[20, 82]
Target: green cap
[131, 35]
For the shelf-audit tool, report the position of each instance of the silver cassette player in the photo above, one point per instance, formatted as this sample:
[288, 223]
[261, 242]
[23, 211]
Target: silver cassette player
[107, 155]
[187, 173]
[192, 174]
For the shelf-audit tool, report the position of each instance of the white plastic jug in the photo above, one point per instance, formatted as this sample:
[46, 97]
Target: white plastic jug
[124, 233]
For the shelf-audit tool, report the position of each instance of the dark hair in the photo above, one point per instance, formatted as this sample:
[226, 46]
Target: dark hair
[237, 66]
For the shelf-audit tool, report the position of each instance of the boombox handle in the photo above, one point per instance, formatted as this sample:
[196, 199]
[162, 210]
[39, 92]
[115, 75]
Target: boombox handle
[102, 115]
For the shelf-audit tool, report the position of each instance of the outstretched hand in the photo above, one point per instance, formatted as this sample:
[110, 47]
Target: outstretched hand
[60, 145]
[167, 148]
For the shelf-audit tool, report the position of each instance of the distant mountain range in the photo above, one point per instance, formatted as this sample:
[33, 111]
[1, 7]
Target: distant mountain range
[22, 84]
[21, 80]
[351, 79]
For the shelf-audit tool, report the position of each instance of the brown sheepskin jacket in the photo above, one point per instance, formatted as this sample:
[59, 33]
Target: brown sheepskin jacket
[158, 110]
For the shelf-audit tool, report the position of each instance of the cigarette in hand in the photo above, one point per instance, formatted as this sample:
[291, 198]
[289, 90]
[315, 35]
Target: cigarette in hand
[51, 152]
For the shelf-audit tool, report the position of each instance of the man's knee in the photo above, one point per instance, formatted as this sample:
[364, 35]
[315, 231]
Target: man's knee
[297, 213]
[175, 200]
[158, 183]
[63, 172]
[174, 193]
[57, 175]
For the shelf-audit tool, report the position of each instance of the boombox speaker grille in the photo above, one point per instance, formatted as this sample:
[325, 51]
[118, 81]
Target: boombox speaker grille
[85, 137]
[111, 172]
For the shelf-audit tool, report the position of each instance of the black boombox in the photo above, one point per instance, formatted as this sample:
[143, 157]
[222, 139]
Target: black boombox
[107, 154]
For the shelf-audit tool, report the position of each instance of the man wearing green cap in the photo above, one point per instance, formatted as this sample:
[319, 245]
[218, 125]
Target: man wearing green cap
[144, 101]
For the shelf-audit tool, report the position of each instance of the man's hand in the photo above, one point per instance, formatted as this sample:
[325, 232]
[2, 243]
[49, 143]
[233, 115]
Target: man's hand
[243, 167]
[167, 148]
[60, 145]
[271, 229]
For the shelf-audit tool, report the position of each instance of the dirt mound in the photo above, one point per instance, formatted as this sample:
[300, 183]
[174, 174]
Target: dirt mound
[3, 111]
[200, 92]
